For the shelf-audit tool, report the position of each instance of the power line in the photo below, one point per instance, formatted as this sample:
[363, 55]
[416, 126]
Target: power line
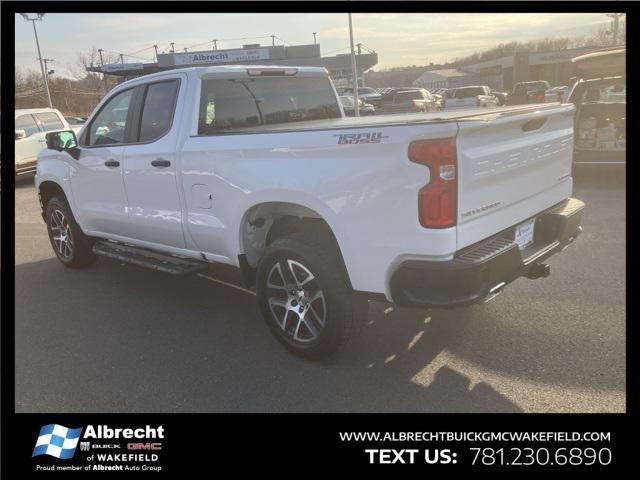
[339, 50]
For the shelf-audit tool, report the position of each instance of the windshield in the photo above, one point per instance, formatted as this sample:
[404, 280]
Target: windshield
[536, 86]
[406, 96]
[468, 92]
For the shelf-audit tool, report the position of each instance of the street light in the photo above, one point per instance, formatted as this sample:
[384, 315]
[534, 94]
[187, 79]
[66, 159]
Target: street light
[42, 69]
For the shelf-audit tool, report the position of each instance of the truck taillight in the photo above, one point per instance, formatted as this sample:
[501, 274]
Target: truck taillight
[437, 200]
[540, 97]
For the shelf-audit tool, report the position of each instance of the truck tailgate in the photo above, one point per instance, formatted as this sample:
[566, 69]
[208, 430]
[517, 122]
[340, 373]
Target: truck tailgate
[511, 167]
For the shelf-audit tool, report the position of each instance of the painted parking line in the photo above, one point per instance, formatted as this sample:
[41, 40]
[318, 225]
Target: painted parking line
[245, 290]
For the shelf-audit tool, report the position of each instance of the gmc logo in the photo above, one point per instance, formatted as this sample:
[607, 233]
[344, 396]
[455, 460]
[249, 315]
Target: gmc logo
[144, 446]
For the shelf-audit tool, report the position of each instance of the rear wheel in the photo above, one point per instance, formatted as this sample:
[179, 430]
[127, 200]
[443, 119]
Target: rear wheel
[305, 297]
[72, 247]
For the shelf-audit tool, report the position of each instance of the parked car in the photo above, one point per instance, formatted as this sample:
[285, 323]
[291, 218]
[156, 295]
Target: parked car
[320, 212]
[471, 97]
[528, 92]
[367, 94]
[408, 101]
[439, 100]
[76, 123]
[557, 94]
[349, 110]
[31, 125]
[599, 95]
[500, 96]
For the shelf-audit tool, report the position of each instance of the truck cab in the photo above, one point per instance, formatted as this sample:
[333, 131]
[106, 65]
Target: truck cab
[528, 92]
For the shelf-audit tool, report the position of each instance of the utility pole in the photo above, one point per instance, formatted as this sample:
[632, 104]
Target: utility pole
[273, 40]
[121, 58]
[172, 49]
[155, 47]
[104, 76]
[215, 44]
[359, 45]
[314, 38]
[615, 27]
[35, 32]
[354, 72]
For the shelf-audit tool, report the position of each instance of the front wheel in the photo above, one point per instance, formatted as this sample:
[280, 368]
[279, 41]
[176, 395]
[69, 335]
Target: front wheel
[72, 247]
[305, 298]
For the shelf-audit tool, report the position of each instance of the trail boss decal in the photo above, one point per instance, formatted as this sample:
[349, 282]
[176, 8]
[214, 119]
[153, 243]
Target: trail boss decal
[358, 138]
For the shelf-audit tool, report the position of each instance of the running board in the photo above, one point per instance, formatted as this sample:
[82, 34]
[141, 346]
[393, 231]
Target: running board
[149, 259]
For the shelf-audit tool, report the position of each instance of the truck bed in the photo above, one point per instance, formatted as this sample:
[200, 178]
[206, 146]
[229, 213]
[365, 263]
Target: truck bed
[390, 120]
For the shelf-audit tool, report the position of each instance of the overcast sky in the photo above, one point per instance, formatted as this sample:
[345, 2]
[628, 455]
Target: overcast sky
[399, 39]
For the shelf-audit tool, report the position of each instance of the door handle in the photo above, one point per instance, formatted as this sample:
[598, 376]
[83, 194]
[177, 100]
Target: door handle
[161, 162]
[112, 163]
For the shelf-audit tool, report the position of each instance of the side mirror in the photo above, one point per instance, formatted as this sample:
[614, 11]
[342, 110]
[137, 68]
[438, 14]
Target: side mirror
[20, 134]
[64, 141]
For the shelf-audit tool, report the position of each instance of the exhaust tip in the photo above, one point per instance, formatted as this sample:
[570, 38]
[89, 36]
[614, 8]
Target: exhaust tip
[494, 292]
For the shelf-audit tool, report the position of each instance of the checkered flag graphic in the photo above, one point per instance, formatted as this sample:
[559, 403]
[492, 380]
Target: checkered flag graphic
[57, 441]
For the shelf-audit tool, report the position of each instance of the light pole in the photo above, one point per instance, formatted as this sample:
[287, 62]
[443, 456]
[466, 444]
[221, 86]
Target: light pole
[46, 67]
[354, 72]
[314, 37]
[35, 32]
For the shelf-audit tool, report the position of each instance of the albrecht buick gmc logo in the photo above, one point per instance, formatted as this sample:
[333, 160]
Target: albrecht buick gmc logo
[61, 442]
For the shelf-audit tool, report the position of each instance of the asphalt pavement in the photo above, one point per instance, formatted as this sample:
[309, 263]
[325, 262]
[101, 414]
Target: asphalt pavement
[116, 338]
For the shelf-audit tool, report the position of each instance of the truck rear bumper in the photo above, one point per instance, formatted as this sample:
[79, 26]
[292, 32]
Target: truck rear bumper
[480, 271]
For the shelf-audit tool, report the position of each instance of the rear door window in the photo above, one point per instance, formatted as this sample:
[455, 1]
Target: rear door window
[28, 124]
[157, 112]
[248, 102]
[50, 121]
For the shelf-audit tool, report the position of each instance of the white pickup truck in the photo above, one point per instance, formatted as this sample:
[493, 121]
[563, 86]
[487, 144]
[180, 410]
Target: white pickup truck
[257, 167]
[470, 97]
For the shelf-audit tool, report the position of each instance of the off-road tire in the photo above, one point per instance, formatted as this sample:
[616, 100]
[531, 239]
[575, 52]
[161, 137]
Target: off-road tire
[77, 253]
[344, 311]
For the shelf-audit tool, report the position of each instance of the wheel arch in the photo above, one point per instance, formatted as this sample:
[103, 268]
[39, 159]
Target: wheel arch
[47, 189]
[264, 222]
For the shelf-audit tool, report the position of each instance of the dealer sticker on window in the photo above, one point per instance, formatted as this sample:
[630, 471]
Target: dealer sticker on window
[524, 234]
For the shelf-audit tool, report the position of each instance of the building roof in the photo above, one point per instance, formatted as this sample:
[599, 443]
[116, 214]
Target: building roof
[291, 55]
[441, 75]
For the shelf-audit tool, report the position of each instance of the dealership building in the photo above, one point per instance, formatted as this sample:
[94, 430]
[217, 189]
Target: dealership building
[502, 73]
[339, 66]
